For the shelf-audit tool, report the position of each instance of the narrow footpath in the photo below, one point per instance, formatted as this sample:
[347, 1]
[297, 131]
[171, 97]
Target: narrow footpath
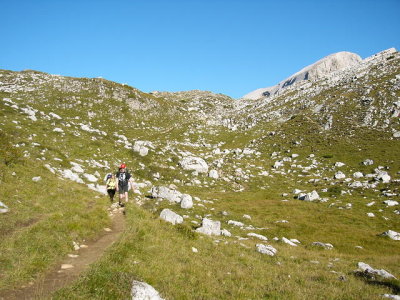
[74, 265]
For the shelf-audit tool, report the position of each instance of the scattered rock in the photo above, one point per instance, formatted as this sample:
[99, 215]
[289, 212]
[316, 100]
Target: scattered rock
[266, 249]
[369, 271]
[358, 175]
[382, 176]
[225, 232]
[36, 179]
[340, 175]
[258, 236]
[170, 216]
[390, 296]
[287, 241]
[143, 291]
[391, 234]
[194, 250]
[235, 223]
[66, 266]
[368, 162]
[371, 215]
[323, 245]
[192, 163]
[187, 201]
[163, 192]
[391, 202]
[3, 208]
[142, 147]
[210, 227]
[313, 196]
[213, 174]
[90, 177]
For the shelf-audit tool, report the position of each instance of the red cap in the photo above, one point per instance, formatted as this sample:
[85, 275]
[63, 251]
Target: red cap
[123, 166]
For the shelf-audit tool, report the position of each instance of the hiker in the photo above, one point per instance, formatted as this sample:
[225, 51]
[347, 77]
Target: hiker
[111, 184]
[124, 178]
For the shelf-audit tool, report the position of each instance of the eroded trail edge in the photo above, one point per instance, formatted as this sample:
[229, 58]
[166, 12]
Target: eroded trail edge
[57, 277]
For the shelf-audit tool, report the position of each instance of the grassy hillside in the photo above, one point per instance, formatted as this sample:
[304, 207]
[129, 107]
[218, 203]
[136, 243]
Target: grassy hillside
[70, 132]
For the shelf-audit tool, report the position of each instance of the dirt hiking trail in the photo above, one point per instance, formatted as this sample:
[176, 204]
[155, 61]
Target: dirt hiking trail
[57, 278]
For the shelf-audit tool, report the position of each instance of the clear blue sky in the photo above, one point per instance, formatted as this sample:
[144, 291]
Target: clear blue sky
[225, 46]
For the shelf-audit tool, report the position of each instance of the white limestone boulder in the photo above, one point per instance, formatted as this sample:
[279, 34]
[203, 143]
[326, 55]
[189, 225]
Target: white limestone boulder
[391, 202]
[213, 174]
[3, 208]
[382, 176]
[266, 249]
[187, 201]
[171, 217]
[163, 192]
[340, 175]
[289, 242]
[358, 175]
[90, 177]
[392, 235]
[323, 245]
[142, 147]
[192, 163]
[313, 196]
[368, 270]
[258, 236]
[225, 232]
[143, 291]
[210, 227]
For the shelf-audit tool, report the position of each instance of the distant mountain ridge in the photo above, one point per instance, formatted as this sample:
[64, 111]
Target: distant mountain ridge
[327, 65]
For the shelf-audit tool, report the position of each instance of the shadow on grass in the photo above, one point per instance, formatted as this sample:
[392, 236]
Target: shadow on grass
[392, 284]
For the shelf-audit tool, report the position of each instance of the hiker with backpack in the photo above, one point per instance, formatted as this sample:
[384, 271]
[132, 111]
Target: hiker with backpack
[124, 178]
[111, 184]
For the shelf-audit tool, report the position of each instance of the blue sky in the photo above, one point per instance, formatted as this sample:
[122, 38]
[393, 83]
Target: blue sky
[230, 47]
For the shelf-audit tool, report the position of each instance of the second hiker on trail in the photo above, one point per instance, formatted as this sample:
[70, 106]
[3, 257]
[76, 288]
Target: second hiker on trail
[111, 184]
[124, 178]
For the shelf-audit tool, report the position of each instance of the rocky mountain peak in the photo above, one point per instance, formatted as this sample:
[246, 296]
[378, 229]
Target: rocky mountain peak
[321, 68]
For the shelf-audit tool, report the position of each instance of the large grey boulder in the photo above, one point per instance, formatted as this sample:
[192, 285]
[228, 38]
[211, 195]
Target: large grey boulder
[192, 163]
[143, 291]
[210, 227]
[170, 216]
[163, 192]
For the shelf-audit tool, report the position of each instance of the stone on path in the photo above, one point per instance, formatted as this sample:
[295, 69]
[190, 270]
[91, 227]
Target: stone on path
[66, 266]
